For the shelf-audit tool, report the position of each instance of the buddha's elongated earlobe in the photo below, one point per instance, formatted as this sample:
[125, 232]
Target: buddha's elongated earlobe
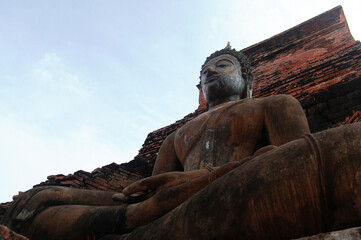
[249, 93]
[249, 87]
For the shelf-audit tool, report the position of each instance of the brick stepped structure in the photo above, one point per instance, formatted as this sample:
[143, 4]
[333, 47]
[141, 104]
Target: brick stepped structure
[318, 62]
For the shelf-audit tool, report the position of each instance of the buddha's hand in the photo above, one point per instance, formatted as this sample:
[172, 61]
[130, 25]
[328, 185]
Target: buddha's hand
[147, 187]
[27, 203]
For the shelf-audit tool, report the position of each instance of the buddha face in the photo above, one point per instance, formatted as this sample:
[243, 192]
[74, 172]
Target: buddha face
[221, 78]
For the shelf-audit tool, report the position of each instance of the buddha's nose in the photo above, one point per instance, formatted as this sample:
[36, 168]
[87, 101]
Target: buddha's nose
[211, 70]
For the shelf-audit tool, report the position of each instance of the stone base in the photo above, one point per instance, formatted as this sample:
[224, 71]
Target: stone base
[346, 234]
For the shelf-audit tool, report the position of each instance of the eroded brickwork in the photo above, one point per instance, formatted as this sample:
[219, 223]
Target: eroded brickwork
[318, 62]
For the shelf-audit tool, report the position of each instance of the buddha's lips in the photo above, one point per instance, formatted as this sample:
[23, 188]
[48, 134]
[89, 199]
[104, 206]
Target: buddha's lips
[212, 78]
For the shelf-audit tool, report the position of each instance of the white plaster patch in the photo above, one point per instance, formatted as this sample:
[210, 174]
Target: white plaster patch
[207, 145]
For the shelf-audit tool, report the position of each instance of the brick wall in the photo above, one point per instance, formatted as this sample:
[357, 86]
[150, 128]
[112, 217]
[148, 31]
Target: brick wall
[318, 62]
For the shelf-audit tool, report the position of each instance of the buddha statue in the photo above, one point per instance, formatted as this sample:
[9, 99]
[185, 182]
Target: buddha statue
[248, 168]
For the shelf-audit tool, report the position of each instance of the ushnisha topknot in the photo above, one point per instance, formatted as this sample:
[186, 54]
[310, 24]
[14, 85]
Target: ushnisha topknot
[244, 62]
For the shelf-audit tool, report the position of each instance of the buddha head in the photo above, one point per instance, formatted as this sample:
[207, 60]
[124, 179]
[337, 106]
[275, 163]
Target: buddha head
[225, 76]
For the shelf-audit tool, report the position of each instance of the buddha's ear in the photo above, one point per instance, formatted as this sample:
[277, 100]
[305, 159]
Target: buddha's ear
[249, 92]
[250, 85]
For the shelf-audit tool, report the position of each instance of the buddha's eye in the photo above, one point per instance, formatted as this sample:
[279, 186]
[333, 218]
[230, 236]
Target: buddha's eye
[223, 64]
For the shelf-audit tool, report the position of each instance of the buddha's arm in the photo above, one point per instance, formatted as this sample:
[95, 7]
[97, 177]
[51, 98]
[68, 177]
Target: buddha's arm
[167, 160]
[167, 172]
[284, 119]
[166, 198]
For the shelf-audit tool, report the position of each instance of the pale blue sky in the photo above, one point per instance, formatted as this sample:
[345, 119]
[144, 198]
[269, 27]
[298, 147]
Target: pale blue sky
[83, 82]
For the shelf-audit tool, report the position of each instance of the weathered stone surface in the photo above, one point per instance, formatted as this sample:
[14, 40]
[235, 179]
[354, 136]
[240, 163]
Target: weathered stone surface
[346, 234]
[3, 208]
[307, 186]
[7, 234]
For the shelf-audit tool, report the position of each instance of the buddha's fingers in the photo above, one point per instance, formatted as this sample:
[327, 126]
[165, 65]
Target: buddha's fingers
[156, 182]
[120, 197]
[138, 186]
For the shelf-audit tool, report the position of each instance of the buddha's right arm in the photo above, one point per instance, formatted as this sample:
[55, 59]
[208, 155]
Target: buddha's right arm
[167, 159]
[147, 187]
[194, 180]
[167, 172]
[168, 198]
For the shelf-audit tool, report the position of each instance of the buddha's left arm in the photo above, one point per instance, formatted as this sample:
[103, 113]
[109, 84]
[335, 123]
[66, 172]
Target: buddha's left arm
[284, 119]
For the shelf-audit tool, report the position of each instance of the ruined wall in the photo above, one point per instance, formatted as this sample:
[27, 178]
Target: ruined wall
[318, 62]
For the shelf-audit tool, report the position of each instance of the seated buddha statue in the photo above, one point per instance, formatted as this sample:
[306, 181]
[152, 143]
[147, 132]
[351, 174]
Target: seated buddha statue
[248, 168]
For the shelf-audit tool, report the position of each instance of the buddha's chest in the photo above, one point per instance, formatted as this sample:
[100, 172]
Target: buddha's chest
[219, 136]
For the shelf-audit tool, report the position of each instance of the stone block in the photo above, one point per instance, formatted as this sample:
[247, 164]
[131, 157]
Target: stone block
[346, 234]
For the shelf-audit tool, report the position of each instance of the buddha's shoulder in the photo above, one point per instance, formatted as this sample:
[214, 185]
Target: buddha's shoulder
[279, 100]
[260, 103]
[250, 104]
[254, 105]
[274, 99]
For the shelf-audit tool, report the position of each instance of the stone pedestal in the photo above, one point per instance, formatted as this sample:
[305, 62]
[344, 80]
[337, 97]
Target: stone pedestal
[346, 234]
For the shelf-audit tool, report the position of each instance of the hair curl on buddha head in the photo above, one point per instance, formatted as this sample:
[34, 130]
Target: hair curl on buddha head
[244, 62]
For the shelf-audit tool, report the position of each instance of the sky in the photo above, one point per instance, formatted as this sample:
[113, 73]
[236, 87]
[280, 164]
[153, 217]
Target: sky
[82, 82]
